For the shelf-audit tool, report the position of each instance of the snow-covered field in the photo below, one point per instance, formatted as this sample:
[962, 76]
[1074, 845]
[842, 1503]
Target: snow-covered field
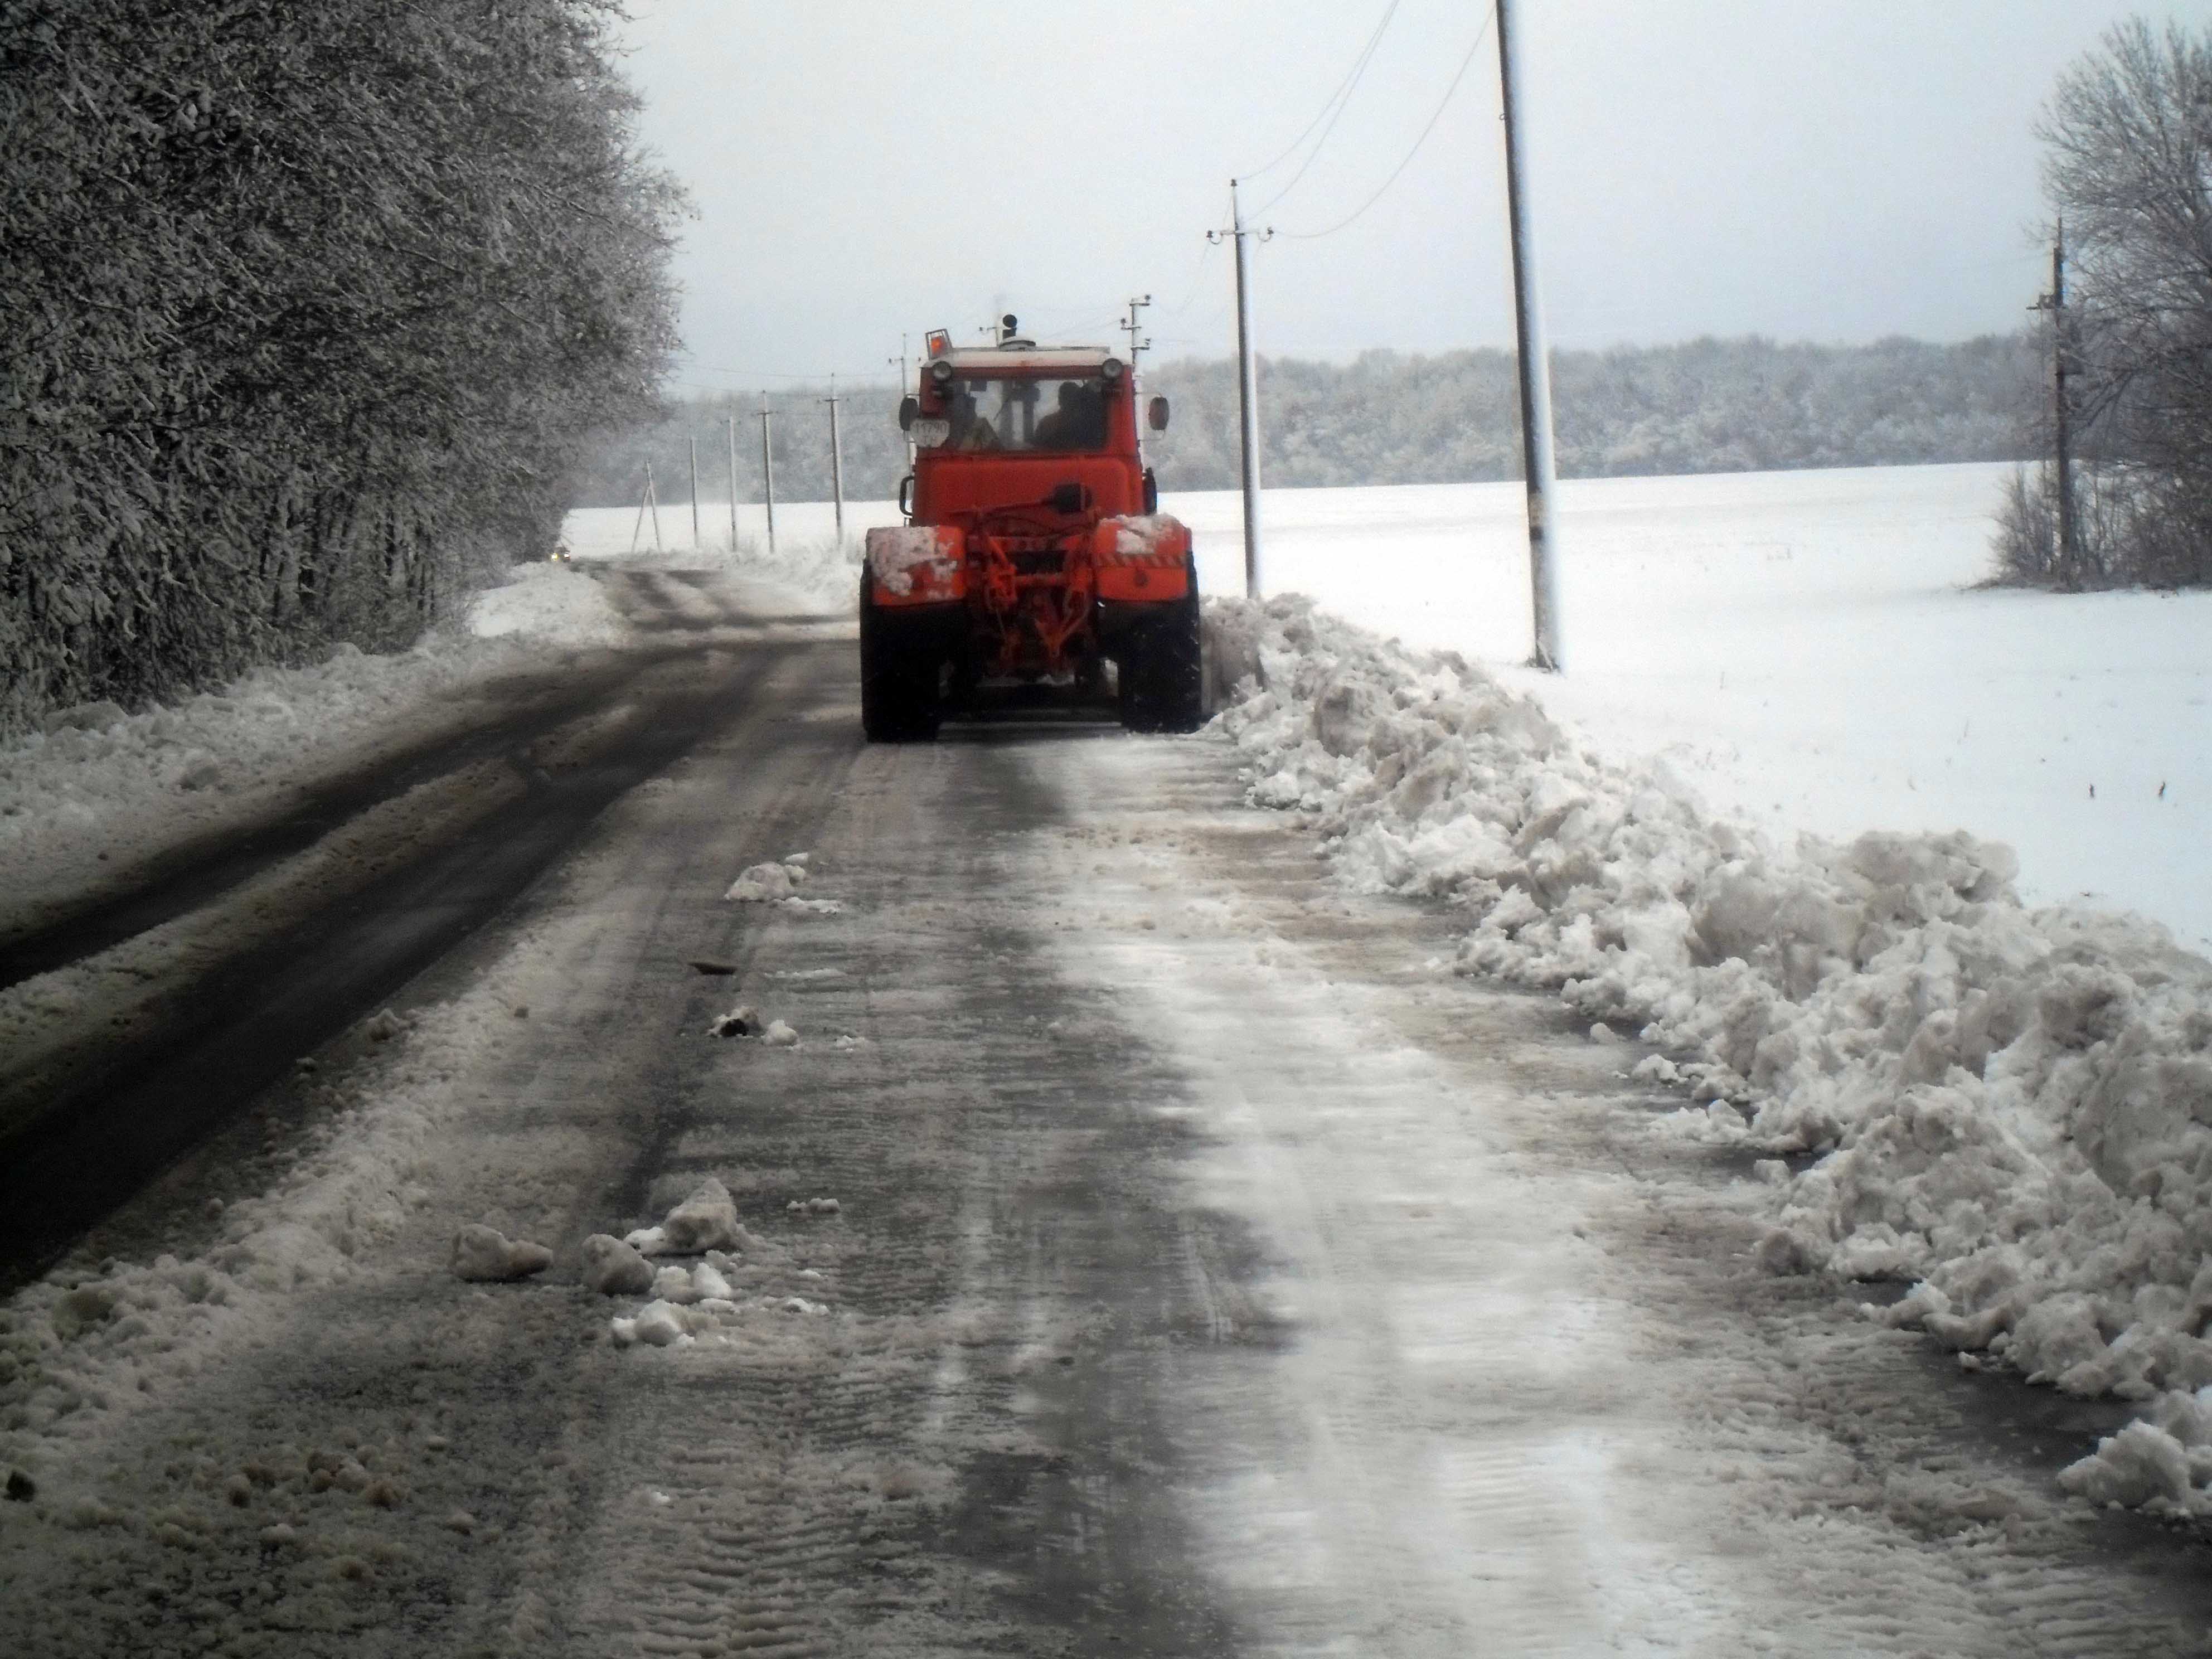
[1807, 649]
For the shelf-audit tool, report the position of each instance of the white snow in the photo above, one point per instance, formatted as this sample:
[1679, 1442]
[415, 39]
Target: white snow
[2008, 1100]
[1807, 649]
[614, 1267]
[556, 603]
[764, 884]
[809, 557]
[706, 1221]
[893, 555]
[484, 1254]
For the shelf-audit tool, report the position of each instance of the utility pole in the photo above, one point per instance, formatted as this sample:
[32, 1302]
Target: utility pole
[693, 441]
[1247, 389]
[2070, 549]
[649, 499]
[1535, 363]
[836, 461]
[768, 476]
[1130, 327]
[734, 483]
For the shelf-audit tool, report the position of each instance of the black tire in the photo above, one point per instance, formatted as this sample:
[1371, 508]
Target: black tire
[1161, 671]
[899, 701]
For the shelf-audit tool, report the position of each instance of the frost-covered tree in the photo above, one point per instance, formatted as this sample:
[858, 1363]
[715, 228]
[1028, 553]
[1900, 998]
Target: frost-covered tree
[309, 309]
[2128, 162]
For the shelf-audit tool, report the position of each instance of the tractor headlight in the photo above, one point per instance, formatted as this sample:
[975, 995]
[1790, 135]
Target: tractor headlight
[1111, 369]
[941, 372]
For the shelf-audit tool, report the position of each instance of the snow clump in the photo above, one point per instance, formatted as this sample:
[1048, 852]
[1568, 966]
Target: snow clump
[485, 1255]
[707, 1220]
[2011, 1109]
[766, 884]
[744, 1020]
[615, 1268]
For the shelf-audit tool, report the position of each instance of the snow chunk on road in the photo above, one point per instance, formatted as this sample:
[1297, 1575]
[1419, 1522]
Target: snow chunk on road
[613, 1267]
[779, 1036]
[2142, 1465]
[2015, 1107]
[658, 1324]
[744, 1020]
[764, 884]
[707, 1220]
[484, 1254]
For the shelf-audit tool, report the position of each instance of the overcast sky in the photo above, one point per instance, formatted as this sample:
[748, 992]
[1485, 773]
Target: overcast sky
[1807, 169]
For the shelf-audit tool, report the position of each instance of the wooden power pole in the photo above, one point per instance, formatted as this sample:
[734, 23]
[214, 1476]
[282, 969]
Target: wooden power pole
[2068, 550]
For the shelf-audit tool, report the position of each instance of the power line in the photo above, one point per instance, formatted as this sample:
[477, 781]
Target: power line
[1465, 62]
[1344, 103]
[1344, 86]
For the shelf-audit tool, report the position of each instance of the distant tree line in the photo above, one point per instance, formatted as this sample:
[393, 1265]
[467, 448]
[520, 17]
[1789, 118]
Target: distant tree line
[2128, 163]
[312, 308]
[1707, 406]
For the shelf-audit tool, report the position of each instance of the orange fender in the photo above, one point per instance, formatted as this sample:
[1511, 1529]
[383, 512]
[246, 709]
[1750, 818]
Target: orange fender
[1141, 558]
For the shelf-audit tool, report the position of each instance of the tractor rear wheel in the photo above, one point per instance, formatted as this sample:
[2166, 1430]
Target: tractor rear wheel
[899, 701]
[1162, 674]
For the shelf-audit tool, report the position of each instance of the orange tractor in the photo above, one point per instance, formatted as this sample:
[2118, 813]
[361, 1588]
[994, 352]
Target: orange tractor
[1033, 553]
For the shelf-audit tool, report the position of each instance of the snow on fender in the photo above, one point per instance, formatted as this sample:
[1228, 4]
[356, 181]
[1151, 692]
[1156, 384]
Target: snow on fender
[1144, 556]
[917, 564]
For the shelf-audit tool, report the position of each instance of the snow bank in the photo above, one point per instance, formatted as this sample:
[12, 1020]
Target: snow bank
[555, 603]
[2013, 1108]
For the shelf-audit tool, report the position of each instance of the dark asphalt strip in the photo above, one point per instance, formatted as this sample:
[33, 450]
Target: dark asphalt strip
[191, 875]
[246, 1025]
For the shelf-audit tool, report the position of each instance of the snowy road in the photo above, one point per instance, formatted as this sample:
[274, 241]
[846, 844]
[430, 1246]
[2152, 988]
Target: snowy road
[1211, 1271]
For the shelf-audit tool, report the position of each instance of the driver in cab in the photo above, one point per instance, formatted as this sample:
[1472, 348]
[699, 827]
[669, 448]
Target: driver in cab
[1078, 420]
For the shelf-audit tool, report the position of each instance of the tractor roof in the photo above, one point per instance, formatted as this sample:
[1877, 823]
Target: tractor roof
[1024, 359]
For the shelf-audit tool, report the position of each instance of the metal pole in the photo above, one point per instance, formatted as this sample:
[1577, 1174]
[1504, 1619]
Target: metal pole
[1247, 394]
[733, 484]
[2069, 545]
[1535, 368]
[693, 441]
[836, 462]
[653, 497]
[768, 477]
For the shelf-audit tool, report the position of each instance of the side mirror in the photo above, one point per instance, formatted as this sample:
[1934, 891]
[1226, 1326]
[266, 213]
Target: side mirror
[905, 496]
[1155, 414]
[908, 408]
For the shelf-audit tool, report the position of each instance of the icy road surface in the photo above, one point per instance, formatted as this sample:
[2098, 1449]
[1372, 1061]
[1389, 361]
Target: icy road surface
[1210, 1272]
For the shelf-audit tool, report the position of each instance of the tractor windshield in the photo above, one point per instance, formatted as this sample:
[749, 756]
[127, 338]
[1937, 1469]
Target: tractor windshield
[1026, 414]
